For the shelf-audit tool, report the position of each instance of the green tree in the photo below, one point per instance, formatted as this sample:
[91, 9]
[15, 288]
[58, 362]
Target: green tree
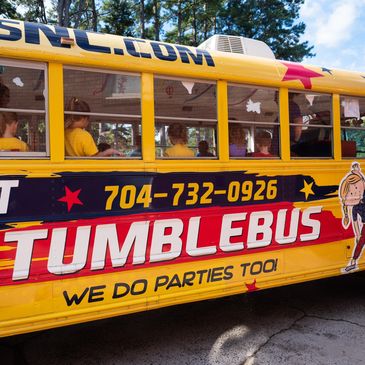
[193, 21]
[8, 9]
[117, 17]
[35, 10]
[176, 14]
[83, 14]
[274, 22]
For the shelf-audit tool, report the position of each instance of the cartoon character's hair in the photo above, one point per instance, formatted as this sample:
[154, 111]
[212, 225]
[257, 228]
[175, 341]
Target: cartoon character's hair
[350, 179]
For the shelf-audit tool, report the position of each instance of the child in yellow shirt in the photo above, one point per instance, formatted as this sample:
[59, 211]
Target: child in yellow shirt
[8, 128]
[78, 141]
[178, 136]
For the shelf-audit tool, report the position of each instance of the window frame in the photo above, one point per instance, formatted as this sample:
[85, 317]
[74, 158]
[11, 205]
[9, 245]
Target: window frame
[209, 120]
[32, 65]
[66, 67]
[341, 96]
[331, 126]
[254, 124]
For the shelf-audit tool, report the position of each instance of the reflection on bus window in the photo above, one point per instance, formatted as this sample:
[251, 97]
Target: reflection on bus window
[115, 109]
[352, 126]
[191, 105]
[310, 119]
[250, 111]
[23, 109]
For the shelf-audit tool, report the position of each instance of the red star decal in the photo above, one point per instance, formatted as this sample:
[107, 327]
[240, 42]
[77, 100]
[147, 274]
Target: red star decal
[296, 71]
[251, 287]
[71, 198]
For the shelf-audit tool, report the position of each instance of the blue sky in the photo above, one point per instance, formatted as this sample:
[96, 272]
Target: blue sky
[336, 28]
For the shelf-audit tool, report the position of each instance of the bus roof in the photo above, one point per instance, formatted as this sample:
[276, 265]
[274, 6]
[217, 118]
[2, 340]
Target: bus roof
[41, 42]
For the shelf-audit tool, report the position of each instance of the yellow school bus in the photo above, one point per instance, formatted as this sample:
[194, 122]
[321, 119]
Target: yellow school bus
[139, 174]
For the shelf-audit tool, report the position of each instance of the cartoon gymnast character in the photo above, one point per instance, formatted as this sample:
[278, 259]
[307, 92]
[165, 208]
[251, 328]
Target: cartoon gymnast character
[351, 194]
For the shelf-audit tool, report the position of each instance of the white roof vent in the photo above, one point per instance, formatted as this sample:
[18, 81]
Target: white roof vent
[236, 44]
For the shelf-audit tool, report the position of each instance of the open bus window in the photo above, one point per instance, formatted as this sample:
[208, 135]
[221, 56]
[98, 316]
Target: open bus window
[185, 118]
[111, 103]
[253, 127]
[23, 114]
[352, 126]
[310, 120]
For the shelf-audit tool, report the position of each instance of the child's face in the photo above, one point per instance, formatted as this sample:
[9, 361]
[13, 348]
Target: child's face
[355, 193]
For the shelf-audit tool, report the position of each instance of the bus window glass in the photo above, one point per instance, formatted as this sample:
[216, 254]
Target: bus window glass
[352, 126]
[253, 127]
[23, 121]
[185, 118]
[111, 103]
[310, 119]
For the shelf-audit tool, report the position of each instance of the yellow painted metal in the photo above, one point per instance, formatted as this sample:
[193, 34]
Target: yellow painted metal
[222, 112]
[228, 66]
[29, 307]
[41, 305]
[56, 112]
[336, 127]
[284, 124]
[148, 119]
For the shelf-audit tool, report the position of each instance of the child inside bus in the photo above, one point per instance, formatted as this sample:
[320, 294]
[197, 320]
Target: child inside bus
[8, 128]
[237, 140]
[137, 151]
[178, 136]
[4, 95]
[78, 141]
[263, 144]
[203, 148]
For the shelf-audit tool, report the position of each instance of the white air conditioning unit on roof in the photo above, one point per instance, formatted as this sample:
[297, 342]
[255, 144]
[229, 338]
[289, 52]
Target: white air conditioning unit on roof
[237, 44]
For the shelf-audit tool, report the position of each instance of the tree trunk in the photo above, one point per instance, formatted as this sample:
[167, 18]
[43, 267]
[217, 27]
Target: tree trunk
[63, 13]
[156, 14]
[141, 17]
[94, 16]
[179, 22]
[42, 12]
[195, 30]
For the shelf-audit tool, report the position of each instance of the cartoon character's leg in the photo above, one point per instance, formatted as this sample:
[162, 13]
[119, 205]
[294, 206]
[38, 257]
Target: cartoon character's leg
[359, 246]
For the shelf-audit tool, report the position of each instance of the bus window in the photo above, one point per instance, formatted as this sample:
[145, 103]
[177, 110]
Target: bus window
[112, 103]
[23, 116]
[185, 116]
[253, 112]
[310, 119]
[352, 126]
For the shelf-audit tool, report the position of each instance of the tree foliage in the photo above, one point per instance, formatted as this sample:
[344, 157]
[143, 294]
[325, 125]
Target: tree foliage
[8, 9]
[276, 22]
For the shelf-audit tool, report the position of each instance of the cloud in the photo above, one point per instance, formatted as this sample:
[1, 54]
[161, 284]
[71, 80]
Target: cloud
[339, 25]
[330, 23]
